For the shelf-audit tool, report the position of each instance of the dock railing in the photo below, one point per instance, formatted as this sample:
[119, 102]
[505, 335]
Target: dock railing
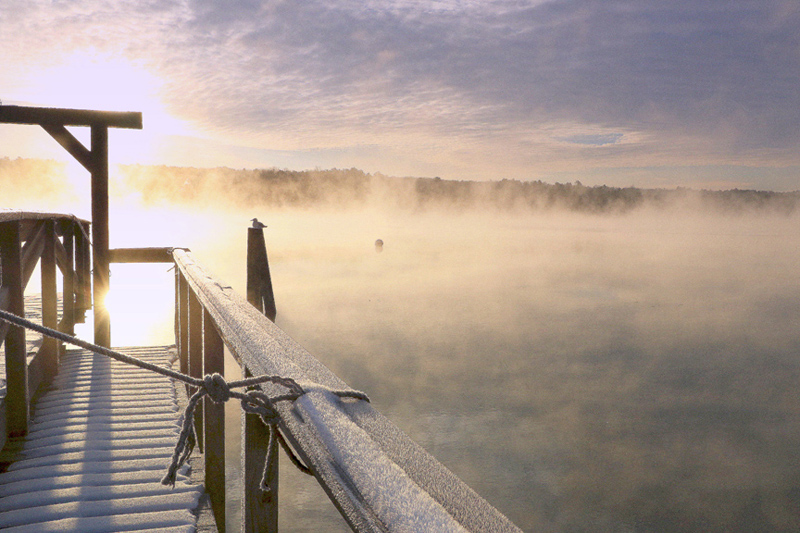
[58, 243]
[376, 476]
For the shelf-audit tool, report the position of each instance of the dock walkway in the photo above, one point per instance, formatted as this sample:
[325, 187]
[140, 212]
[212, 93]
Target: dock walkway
[99, 443]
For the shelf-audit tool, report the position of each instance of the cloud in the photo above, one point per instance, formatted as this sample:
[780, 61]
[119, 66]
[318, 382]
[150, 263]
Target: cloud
[684, 82]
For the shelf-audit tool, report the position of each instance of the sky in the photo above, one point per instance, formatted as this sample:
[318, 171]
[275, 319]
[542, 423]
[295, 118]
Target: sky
[648, 93]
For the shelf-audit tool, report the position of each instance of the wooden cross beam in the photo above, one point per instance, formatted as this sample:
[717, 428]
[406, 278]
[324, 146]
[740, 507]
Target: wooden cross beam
[95, 160]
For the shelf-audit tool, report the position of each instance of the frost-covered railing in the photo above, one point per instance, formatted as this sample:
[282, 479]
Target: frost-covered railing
[376, 476]
[56, 242]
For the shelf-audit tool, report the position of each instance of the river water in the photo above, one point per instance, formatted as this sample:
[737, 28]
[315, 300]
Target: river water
[582, 373]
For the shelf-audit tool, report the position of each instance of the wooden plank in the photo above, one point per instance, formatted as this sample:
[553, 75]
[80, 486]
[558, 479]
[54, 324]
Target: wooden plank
[11, 215]
[72, 145]
[140, 255]
[10, 114]
[17, 405]
[214, 423]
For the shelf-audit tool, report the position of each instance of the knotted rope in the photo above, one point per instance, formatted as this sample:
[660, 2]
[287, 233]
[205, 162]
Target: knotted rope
[213, 385]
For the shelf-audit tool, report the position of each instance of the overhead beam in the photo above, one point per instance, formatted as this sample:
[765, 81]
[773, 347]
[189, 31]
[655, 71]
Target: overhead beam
[42, 116]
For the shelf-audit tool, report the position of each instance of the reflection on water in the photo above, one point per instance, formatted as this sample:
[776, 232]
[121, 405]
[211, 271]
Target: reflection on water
[632, 373]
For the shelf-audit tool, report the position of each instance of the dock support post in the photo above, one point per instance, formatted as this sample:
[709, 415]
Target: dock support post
[214, 423]
[50, 346]
[259, 281]
[83, 284]
[102, 323]
[259, 508]
[17, 405]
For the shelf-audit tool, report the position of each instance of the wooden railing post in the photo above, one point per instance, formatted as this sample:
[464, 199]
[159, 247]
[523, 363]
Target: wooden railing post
[196, 358]
[214, 423]
[83, 288]
[68, 288]
[17, 405]
[182, 312]
[259, 508]
[50, 346]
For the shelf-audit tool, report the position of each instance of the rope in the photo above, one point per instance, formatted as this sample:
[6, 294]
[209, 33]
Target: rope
[213, 385]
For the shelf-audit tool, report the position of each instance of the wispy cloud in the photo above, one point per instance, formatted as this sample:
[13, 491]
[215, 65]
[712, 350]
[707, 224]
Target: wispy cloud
[679, 82]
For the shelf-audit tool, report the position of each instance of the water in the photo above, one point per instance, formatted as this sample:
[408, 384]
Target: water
[627, 373]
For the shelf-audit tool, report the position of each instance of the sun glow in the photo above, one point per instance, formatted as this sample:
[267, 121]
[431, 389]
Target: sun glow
[95, 80]
[140, 305]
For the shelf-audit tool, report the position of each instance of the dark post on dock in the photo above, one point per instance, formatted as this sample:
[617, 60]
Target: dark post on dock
[260, 509]
[259, 281]
[95, 159]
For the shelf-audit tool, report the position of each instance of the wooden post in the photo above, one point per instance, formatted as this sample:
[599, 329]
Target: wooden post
[102, 324]
[196, 357]
[259, 281]
[83, 288]
[183, 323]
[17, 406]
[259, 508]
[214, 423]
[68, 288]
[50, 347]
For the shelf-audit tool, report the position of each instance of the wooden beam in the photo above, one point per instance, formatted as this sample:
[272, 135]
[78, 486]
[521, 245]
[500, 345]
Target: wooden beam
[102, 322]
[61, 256]
[17, 406]
[50, 347]
[31, 252]
[140, 255]
[42, 116]
[71, 144]
[259, 282]
[67, 323]
[214, 423]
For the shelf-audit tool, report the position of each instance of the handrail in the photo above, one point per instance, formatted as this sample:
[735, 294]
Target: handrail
[28, 239]
[376, 476]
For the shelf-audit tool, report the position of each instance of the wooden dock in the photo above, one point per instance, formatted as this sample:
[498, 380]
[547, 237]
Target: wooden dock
[86, 440]
[97, 448]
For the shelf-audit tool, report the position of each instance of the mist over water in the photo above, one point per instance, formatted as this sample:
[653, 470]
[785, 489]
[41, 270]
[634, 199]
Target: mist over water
[582, 373]
[620, 372]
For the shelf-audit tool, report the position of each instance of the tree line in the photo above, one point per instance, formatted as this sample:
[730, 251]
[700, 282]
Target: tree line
[347, 188]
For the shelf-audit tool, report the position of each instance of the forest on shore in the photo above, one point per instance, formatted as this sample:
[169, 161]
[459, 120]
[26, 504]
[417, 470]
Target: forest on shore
[348, 188]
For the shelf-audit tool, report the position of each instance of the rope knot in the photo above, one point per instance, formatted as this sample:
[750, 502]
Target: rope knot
[258, 403]
[217, 388]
